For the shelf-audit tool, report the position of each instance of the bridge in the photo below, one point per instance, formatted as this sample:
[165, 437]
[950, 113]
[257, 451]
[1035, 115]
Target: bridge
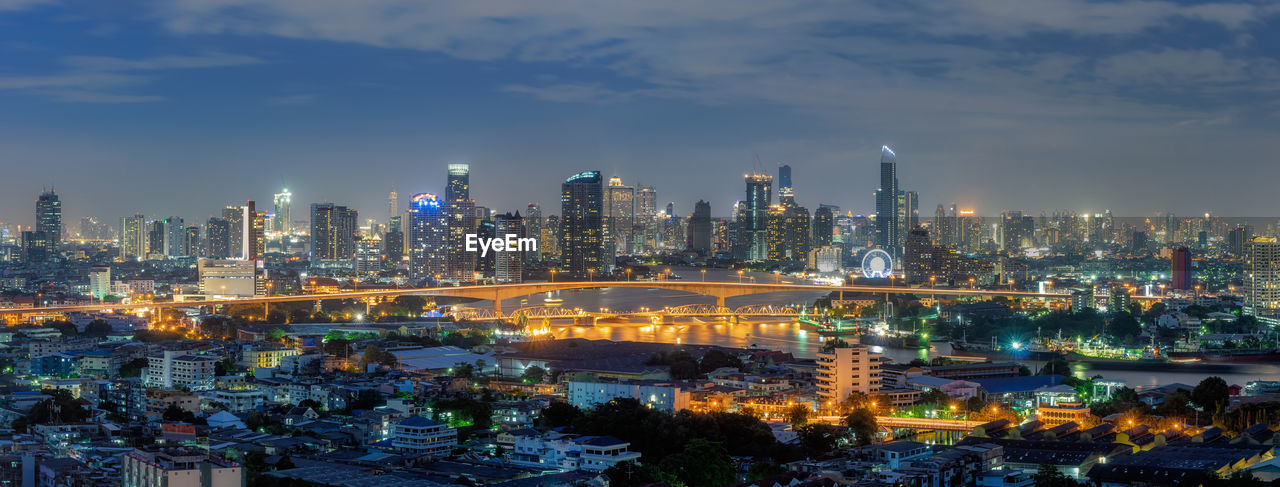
[499, 292]
[688, 310]
[894, 422]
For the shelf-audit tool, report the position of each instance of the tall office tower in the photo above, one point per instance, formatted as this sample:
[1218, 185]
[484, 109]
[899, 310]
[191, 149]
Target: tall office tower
[461, 220]
[1016, 231]
[281, 222]
[508, 266]
[788, 233]
[175, 237]
[941, 226]
[619, 215]
[257, 233]
[485, 263]
[739, 238]
[674, 235]
[156, 240]
[533, 229]
[908, 212]
[581, 225]
[428, 237]
[1262, 277]
[647, 217]
[700, 228]
[918, 257]
[133, 238]
[234, 215]
[393, 242]
[786, 195]
[1237, 237]
[334, 230]
[1171, 228]
[1138, 242]
[191, 241]
[35, 247]
[217, 241]
[367, 256]
[887, 202]
[1180, 268]
[49, 220]
[549, 245]
[759, 194]
[100, 281]
[393, 204]
[823, 226]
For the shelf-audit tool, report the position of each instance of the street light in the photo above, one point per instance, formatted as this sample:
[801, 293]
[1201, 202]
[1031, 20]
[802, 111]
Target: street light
[704, 275]
[553, 275]
[739, 276]
[591, 275]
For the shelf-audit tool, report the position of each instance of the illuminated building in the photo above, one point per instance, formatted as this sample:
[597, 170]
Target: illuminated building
[234, 215]
[919, 257]
[788, 233]
[227, 277]
[485, 263]
[1119, 300]
[368, 256]
[257, 233]
[173, 369]
[334, 230]
[393, 242]
[533, 228]
[1262, 277]
[825, 259]
[100, 281]
[418, 436]
[849, 369]
[428, 236]
[283, 200]
[133, 241]
[619, 216]
[266, 357]
[887, 202]
[659, 395]
[908, 212]
[179, 467]
[823, 226]
[460, 218]
[49, 220]
[1016, 231]
[581, 225]
[1082, 300]
[217, 238]
[35, 247]
[508, 266]
[786, 195]
[191, 241]
[1180, 268]
[393, 205]
[175, 234]
[700, 229]
[754, 221]
[647, 217]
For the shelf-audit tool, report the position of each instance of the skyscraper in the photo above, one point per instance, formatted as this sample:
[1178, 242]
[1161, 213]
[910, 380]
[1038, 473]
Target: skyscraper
[217, 238]
[908, 212]
[755, 236]
[393, 205]
[619, 215]
[647, 217]
[823, 226]
[581, 225]
[788, 233]
[461, 220]
[334, 230]
[283, 200]
[700, 228]
[887, 202]
[1262, 277]
[393, 242]
[49, 220]
[175, 239]
[508, 266]
[234, 215]
[533, 228]
[191, 241]
[428, 237]
[254, 243]
[1180, 268]
[133, 238]
[786, 196]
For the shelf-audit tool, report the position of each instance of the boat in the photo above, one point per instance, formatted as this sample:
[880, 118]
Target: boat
[1235, 355]
[552, 300]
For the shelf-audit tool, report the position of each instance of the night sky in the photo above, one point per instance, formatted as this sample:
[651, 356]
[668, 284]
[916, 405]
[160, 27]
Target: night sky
[179, 107]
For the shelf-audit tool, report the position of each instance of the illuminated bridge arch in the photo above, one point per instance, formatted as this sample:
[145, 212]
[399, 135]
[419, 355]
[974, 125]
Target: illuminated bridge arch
[765, 310]
[539, 312]
[473, 314]
[697, 310]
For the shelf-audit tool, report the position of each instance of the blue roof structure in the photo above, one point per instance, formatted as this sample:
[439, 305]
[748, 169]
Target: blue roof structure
[418, 422]
[1006, 385]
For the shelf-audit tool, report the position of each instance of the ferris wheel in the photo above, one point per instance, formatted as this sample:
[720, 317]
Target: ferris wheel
[877, 263]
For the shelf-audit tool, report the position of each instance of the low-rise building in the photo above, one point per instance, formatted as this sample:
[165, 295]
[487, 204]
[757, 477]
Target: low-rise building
[565, 453]
[179, 467]
[660, 395]
[421, 436]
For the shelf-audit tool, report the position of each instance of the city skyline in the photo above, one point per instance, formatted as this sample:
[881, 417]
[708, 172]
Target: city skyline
[1118, 104]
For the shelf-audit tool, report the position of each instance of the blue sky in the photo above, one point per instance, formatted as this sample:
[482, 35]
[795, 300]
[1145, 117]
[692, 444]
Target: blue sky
[180, 107]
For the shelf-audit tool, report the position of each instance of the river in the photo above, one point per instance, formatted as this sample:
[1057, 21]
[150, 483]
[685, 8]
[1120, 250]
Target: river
[804, 342]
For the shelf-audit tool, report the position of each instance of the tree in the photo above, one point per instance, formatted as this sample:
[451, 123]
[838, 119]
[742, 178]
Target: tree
[133, 368]
[630, 474]
[716, 358]
[1056, 366]
[702, 463]
[175, 413]
[560, 414]
[817, 439]
[275, 334]
[1049, 476]
[1124, 326]
[97, 328]
[533, 375]
[798, 414]
[863, 424]
[1210, 394]
[338, 347]
[59, 408]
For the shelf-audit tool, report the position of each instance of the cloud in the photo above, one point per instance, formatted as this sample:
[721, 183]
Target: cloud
[21, 4]
[1174, 67]
[93, 97]
[569, 93]
[297, 99]
[105, 63]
